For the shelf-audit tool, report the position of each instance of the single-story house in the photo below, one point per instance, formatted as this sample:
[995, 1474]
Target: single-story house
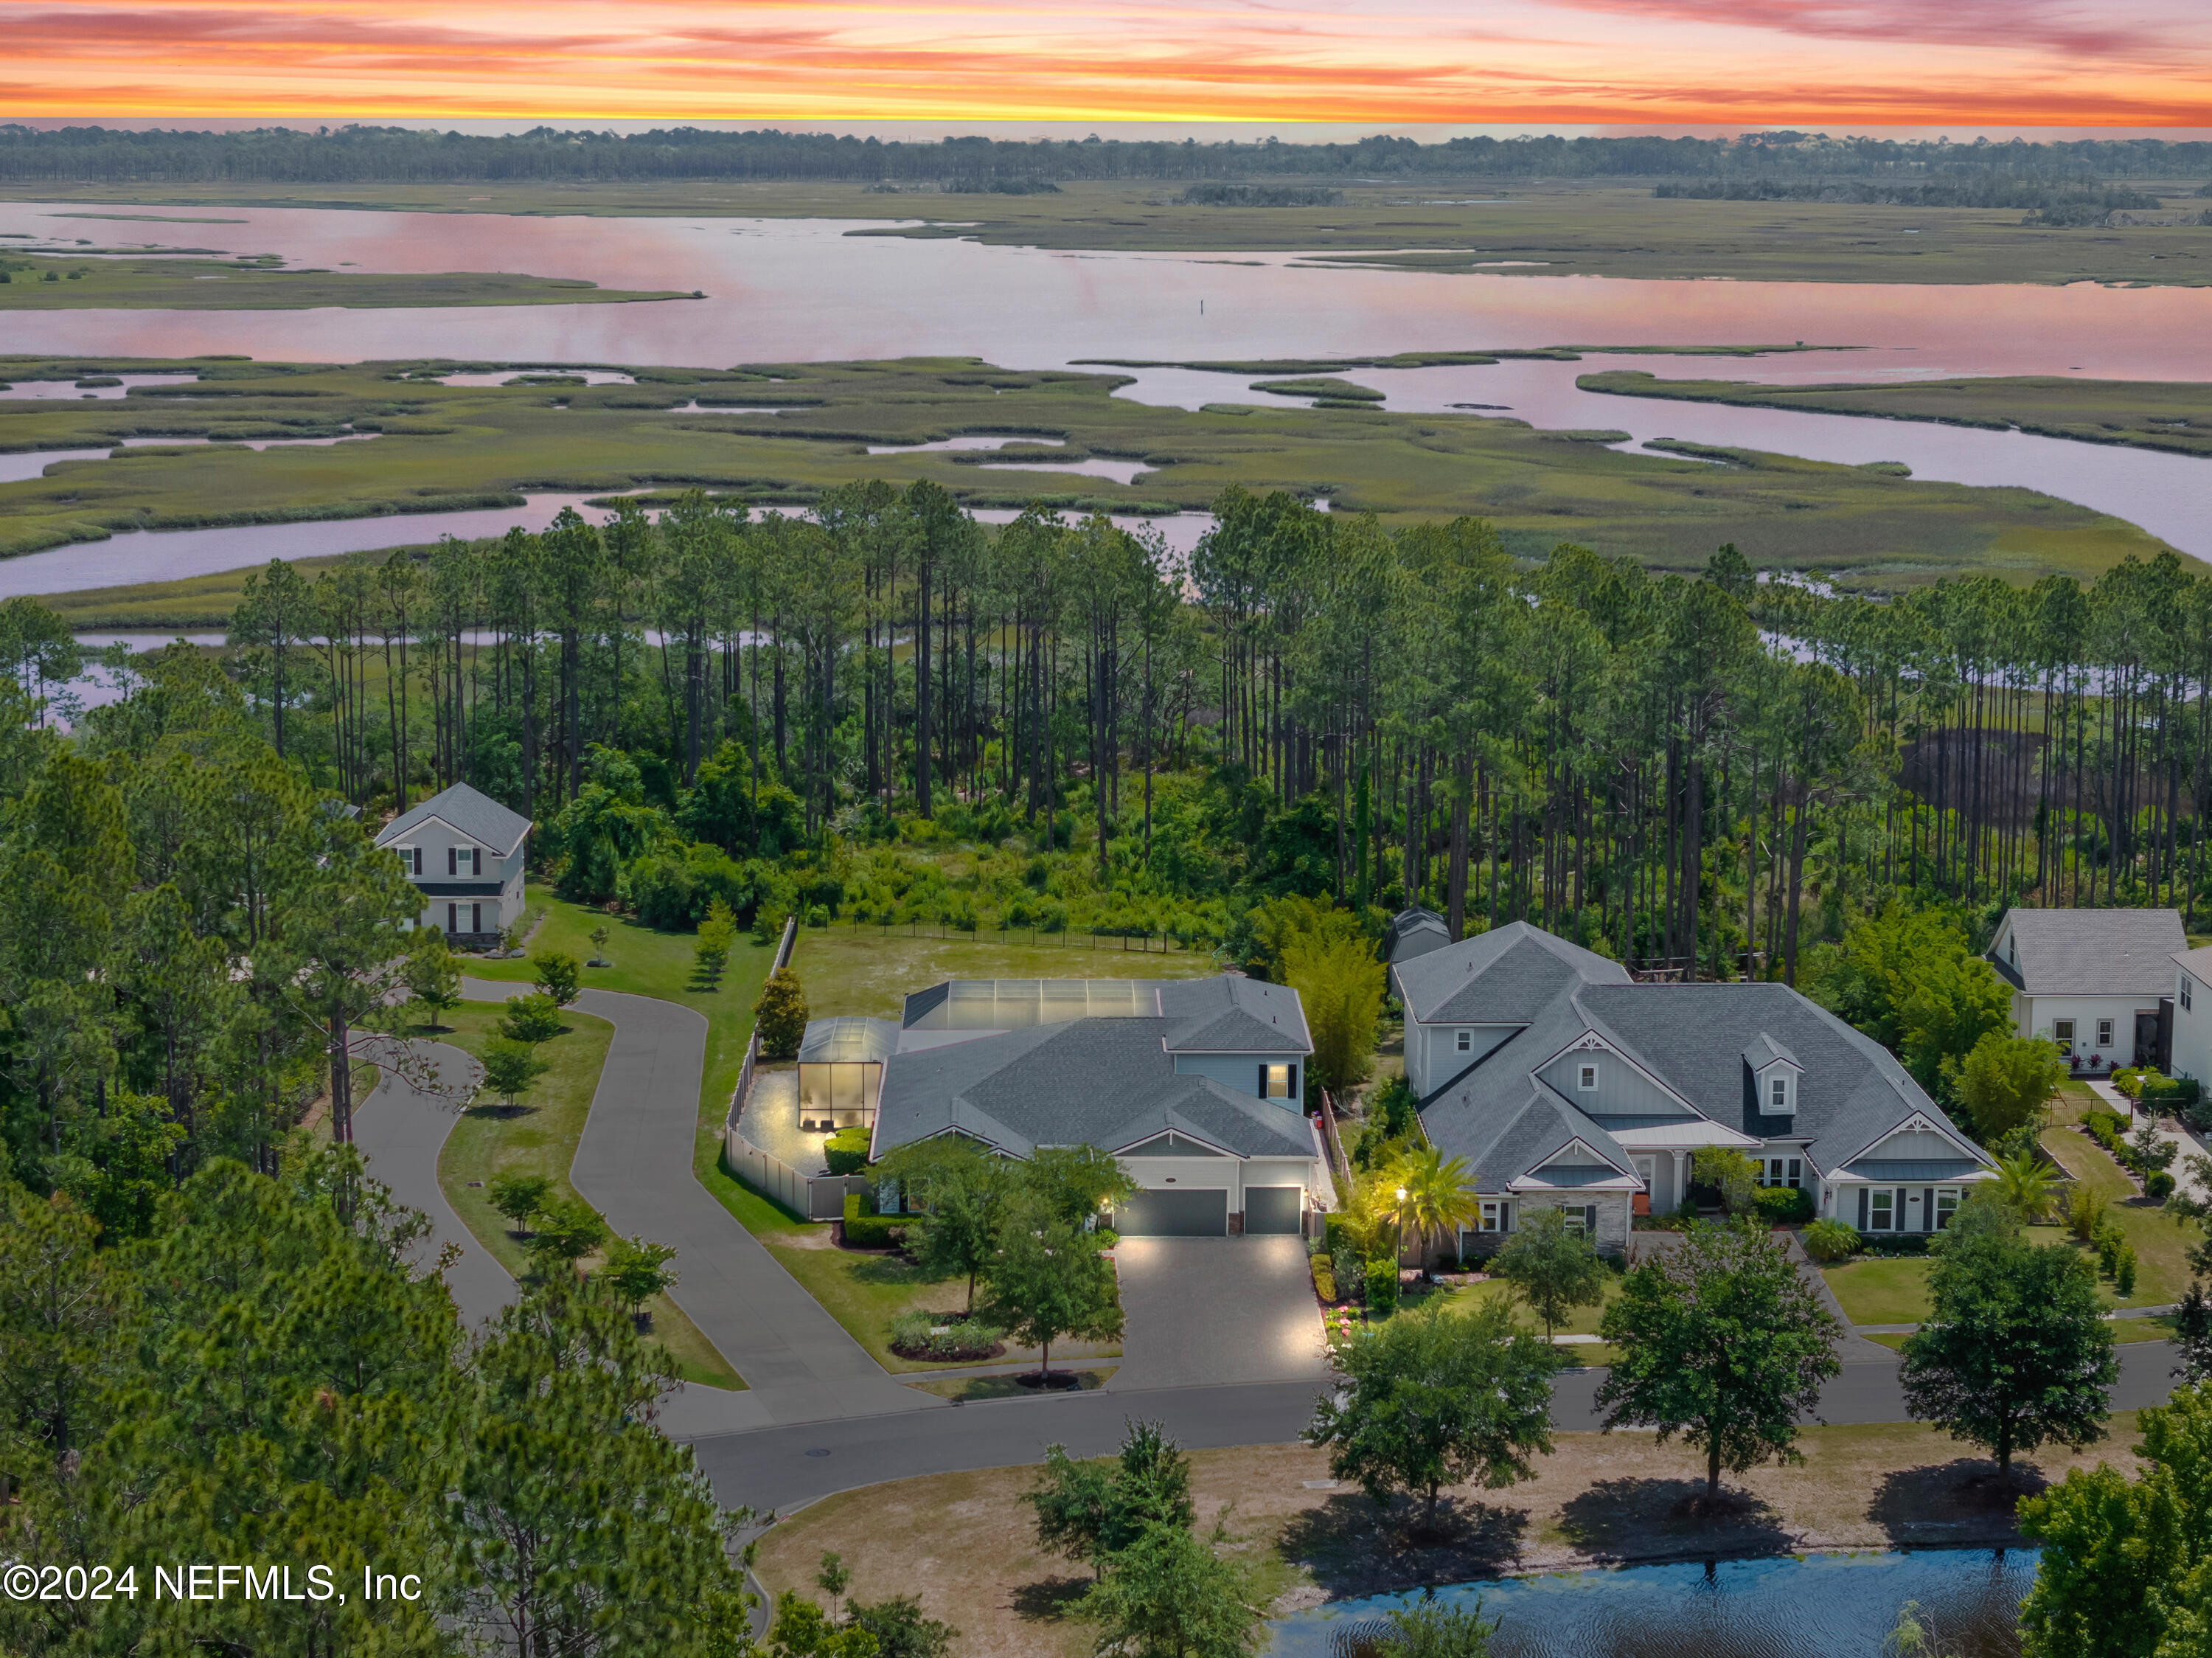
[1196, 1084]
[1563, 1083]
[464, 852]
[2098, 983]
[2191, 1055]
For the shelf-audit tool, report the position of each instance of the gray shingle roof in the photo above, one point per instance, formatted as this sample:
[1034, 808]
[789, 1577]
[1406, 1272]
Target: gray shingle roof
[478, 816]
[1522, 970]
[1763, 1050]
[1414, 932]
[1697, 1039]
[1105, 1082]
[1232, 1013]
[2092, 952]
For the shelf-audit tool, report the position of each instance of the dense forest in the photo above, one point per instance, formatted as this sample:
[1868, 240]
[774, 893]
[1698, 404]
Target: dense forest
[364, 155]
[788, 712]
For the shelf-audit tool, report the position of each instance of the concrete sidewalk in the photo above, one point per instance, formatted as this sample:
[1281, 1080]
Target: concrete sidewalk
[2186, 1142]
[400, 1134]
[633, 1165]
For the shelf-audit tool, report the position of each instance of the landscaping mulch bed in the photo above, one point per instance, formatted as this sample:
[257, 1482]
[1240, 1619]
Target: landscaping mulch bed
[956, 1356]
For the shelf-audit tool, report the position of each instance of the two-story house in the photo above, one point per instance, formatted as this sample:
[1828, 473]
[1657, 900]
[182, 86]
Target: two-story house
[1563, 1083]
[464, 852]
[1196, 1085]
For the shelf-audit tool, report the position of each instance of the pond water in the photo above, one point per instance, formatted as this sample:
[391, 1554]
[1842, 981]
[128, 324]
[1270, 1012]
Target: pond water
[1816, 1606]
[800, 289]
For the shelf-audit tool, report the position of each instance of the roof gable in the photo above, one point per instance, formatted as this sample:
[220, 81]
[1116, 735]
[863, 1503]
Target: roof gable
[2090, 952]
[468, 813]
[1502, 977]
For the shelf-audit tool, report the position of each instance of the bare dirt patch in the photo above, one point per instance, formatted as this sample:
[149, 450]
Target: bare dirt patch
[965, 1543]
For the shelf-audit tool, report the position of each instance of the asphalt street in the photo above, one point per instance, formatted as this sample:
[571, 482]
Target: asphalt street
[781, 1468]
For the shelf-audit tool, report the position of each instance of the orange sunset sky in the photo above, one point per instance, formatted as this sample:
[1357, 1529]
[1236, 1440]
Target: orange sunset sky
[1735, 63]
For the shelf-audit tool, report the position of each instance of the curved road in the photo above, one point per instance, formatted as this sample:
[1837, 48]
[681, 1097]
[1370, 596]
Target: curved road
[822, 1416]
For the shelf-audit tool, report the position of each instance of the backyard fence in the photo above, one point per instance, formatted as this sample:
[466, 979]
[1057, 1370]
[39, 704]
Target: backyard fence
[816, 1197]
[1140, 941]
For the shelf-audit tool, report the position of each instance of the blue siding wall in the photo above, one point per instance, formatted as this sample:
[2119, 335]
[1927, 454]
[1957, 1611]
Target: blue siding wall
[1240, 1071]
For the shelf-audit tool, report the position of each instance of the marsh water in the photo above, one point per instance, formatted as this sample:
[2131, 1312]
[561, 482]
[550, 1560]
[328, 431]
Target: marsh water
[1814, 1607]
[810, 290]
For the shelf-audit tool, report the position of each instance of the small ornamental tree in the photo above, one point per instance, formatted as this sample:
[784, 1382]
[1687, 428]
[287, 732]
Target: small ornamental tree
[1433, 1400]
[637, 1271]
[779, 1015]
[2014, 1352]
[2193, 1336]
[1046, 1281]
[1734, 1175]
[1091, 1510]
[1721, 1342]
[432, 976]
[718, 935]
[511, 1069]
[533, 1019]
[519, 1196]
[557, 975]
[568, 1228]
[1553, 1267]
[1169, 1594]
[959, 1190]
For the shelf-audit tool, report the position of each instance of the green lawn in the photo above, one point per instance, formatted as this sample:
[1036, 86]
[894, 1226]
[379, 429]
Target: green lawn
[539, 1136]
[644, 962]
[1582, 1322]
[1881, 1289]
[2123, 1332]
[2161, 1240]
[870, 970]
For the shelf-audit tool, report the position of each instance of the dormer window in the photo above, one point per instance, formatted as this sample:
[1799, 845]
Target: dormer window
[1586, 1079]
[1777, 1094]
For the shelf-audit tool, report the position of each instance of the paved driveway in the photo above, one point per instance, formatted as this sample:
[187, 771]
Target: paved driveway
[1202, 1311]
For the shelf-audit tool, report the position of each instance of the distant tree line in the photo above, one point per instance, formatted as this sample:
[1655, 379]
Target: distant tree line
[1670, 768]
[366, 154]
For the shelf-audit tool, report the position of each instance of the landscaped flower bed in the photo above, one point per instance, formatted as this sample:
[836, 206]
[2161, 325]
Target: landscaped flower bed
[946, 1338]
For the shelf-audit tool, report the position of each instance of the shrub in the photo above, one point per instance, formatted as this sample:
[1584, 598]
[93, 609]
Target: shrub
[1324, 1278]
[2124, 1271]
[1830, 1240]
[1784, 1205]
[1382, 1285]
[2110, 1243]
[2085, 1213]
[2158, 1184]
[929, 1336]
[874, 1231]
[533, 1019]
[779, 1015]
[847, 1151]
[1347, 1267]
[1106, 1236]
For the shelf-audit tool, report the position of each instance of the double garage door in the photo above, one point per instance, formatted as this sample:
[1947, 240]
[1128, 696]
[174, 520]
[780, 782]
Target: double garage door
[1204, 1213]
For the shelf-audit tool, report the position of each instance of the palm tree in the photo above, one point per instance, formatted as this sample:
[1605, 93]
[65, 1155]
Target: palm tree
[2027, 1183]
[1434, 1195]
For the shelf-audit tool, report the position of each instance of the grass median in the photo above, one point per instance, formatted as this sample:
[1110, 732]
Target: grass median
[539, 1136]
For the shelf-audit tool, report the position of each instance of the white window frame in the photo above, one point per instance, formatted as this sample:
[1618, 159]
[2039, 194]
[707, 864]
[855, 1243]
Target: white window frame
[1586, 1079]
[1466, 1044]
[1496, 1215]
[1948, 1200]
[411, 859]
[1882, 1210]
[1780, 1096]
[1279, 1082]
[2185, 993]
[1580, 1217]
[1782, 1171]
[2103, 1033]
[2062, 1032]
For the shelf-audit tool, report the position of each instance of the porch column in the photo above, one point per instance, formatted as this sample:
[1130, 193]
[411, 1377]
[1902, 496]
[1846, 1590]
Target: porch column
[1682, 1187]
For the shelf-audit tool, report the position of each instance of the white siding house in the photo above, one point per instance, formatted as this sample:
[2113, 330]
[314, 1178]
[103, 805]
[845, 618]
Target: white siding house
[2098, 983]
[2192, 1015]
[466, 853]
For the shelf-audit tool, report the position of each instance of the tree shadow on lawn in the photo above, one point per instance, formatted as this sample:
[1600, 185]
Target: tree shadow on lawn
[1353, 1548]
[496, 1112]
[1631, 1519]
[1963, 1498]
[1048, 1599]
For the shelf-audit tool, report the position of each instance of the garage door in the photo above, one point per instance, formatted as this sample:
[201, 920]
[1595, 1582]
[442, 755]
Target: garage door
[1195, 1214]
[1273, 1207]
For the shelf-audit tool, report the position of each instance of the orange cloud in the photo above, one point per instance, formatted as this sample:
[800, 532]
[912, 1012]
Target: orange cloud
[1830, 62]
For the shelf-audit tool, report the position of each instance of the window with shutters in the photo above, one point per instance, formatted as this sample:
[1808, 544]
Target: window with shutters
[1496, 1215]
[1275, 1081]
[1947, 1206]
[1882, 1217]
